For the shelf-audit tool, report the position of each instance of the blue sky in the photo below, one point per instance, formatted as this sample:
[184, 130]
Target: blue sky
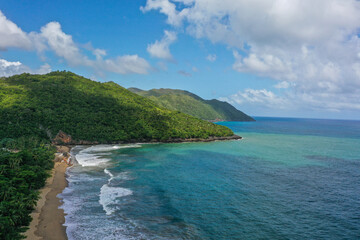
[267, 58]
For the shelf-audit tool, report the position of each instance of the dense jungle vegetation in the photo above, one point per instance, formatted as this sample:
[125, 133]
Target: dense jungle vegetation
[25, 164]
[189, 103]
[42, 105]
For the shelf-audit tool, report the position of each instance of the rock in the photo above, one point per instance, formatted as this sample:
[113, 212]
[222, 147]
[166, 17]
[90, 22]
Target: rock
[62, 139]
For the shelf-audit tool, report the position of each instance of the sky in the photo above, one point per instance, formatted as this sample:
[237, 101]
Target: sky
[284, 58]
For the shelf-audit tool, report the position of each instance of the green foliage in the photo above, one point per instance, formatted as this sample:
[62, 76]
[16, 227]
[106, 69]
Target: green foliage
[192, 104]
[40, 106]
[23, 170]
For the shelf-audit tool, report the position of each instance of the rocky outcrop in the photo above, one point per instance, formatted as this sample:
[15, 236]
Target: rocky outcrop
[62, 139]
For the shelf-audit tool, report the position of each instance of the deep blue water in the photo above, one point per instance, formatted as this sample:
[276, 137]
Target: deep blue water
[298, 126]
[287, 179]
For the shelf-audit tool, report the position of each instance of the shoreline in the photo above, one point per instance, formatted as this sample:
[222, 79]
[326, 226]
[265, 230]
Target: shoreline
[47, 219]
[66, 140]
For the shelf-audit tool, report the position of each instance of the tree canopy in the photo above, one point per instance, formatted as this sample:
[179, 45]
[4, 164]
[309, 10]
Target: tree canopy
[42, 105]
[189, 103]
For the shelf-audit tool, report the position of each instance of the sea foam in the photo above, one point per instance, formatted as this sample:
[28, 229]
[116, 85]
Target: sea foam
[96, 155]
[109, 173]
[86, 177]
[109, 195]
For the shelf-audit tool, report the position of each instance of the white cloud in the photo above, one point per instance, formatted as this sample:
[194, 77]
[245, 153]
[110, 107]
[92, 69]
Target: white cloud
[312, 45]
[261, 97]
[356, 68]
[8, 68]
[52, 38]
[11, 35]
[160, 49]
[168, 8]
[264, 64]
[63, 45]
[126, 64]
[283, 84]
[263, 100]
[211, 57]
[45, 68]
[99, 53]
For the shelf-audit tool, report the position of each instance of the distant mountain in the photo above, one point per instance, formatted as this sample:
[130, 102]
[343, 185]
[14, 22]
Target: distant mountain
[192, 104]
[59, 104]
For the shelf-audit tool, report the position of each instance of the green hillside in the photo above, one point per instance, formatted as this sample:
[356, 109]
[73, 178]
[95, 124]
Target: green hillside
[194, 105]
[42, 105]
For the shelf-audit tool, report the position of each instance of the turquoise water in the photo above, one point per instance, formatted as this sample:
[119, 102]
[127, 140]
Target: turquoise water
[287, 179]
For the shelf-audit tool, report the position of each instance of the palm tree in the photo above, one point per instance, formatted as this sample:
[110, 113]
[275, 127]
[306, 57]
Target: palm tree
[14, 162]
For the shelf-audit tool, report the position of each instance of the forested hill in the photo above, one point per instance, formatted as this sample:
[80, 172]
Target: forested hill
[194, 105]
[42, 105]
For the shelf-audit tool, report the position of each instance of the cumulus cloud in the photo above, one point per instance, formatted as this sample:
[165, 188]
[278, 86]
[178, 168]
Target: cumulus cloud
[11, 35]
[63, 45]
[261, 97]
[160, 49]
[168, 8]
[211, 57]
[312, 45]
[263, 65]
[52, 38]
[126, 64]
[268, 101]
[8, 68]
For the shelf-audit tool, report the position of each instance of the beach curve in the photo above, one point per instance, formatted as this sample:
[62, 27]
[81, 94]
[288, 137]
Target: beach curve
[48, 219]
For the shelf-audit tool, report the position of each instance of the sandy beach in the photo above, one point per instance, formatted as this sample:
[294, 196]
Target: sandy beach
[48, 219]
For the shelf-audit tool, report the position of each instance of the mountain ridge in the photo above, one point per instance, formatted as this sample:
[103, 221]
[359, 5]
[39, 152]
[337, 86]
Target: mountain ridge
[89, 111]
[189, 103]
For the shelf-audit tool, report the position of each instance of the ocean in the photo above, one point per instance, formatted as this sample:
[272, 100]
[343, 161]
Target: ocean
[286, 179]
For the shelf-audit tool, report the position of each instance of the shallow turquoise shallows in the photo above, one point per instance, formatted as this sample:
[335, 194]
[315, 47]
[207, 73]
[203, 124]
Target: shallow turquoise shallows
[287, 179]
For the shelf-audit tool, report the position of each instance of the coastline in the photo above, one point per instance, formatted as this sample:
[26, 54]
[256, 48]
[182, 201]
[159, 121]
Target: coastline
[63, 139]
[47, 219]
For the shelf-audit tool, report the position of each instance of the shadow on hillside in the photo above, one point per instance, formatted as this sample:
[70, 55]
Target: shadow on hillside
[54, 103]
